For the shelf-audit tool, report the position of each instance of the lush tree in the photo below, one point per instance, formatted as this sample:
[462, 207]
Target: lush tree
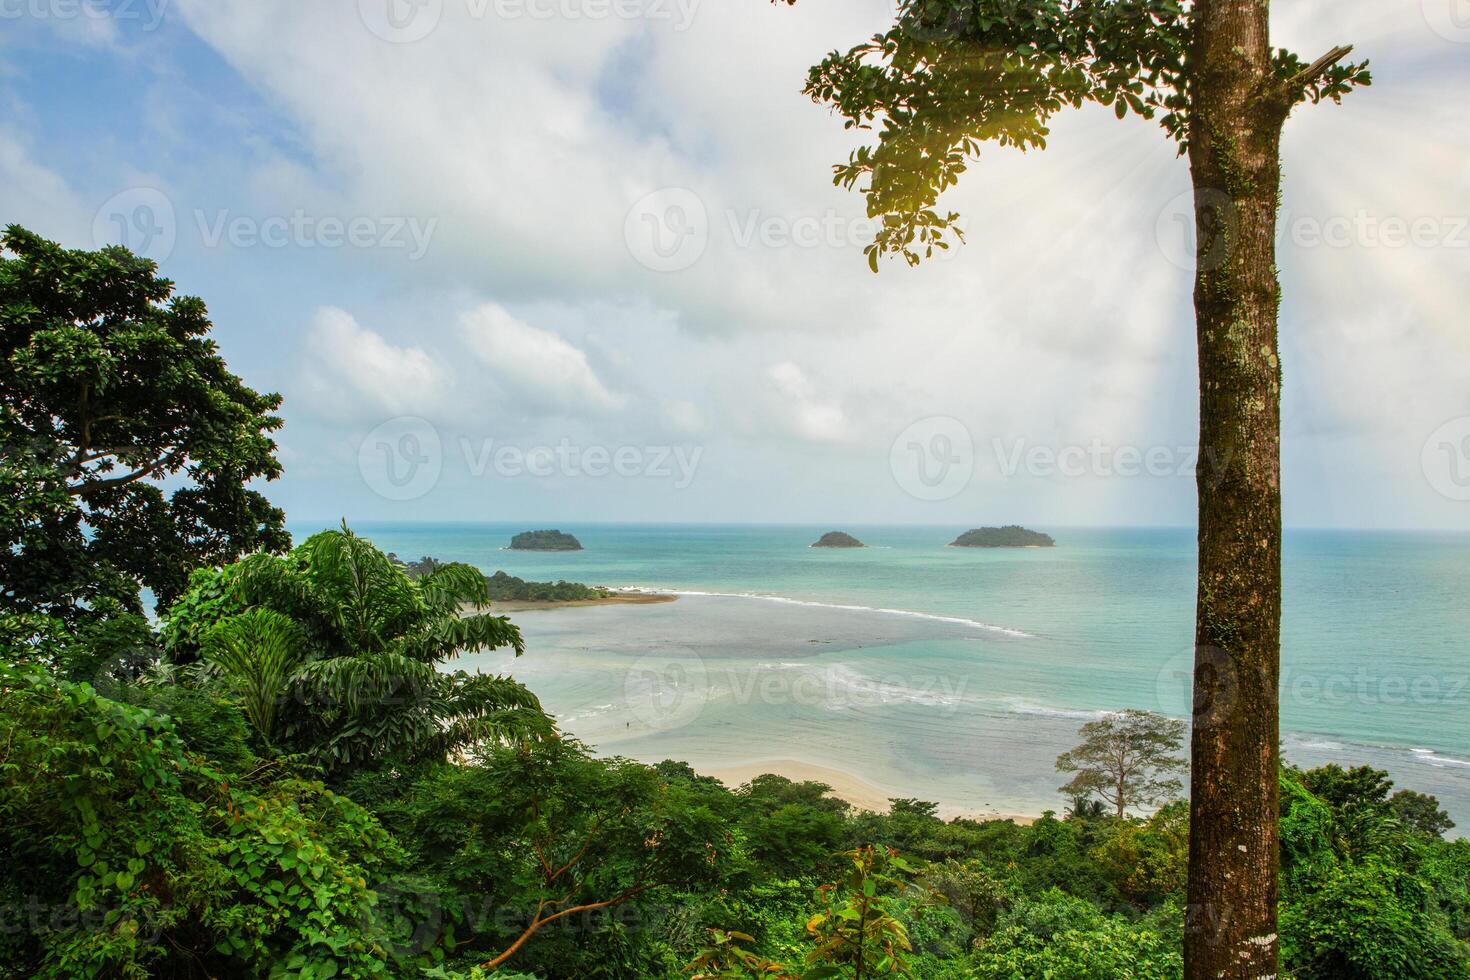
[976, 892]
[338, 653]
[1063, 938]
[952, 75]
[1362, 807]
[726, 957]
[1421, 812]
[545, 836]
[1127, 759]
[109, 384]
[124, 853]
[912, 807]
[1367, 895]
[855, 933]
[1085, 807]
[1370, 921]
[1149, 862]
[257, 652]
[769, 792]
[1358, 788]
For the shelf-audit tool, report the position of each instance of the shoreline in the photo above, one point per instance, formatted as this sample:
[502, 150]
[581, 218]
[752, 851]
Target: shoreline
[847, 786]
[615, 599]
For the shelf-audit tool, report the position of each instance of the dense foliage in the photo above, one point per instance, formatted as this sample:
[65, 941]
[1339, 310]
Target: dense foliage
[504, 587]
[337, 654]
[150, 831]
[109, 383]
[283, 780]
[286, 784]
[507, 588]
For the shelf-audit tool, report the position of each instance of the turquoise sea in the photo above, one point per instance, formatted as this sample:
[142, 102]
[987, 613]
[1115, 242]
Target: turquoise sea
[958, 675]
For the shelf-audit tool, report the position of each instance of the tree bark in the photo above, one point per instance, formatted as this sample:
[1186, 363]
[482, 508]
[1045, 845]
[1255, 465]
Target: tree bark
[1238, 111]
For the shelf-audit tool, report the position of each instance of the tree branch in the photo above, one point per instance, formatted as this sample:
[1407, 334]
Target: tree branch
[581, 852]
[1315, 70]
[537, 922]
[121, 481]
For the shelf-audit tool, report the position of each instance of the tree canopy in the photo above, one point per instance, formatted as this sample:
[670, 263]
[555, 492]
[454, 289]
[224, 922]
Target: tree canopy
[338, 653]
[1128, 759]
[109, 386]
[952, 75]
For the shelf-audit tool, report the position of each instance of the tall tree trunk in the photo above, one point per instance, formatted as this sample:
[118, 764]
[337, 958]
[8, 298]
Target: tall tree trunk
[1234, 143]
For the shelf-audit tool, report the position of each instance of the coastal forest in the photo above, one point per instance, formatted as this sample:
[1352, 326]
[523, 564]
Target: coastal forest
[232, 750]
[283, 773]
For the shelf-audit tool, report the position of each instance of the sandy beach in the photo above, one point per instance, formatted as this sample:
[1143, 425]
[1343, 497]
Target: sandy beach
[845, 785]
[616, 599]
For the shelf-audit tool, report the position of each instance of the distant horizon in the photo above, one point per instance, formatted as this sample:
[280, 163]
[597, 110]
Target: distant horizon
[544, 524]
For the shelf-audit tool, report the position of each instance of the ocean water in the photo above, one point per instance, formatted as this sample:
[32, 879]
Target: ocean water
[958, 675]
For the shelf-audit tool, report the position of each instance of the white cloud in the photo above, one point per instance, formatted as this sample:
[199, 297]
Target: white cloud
[801, 409]
[349, 370]
[684, 416]
[37, 197]
[1061, 322]
[535, 365]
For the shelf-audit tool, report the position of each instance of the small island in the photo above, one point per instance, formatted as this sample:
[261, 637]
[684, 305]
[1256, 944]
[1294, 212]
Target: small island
[1010, 536]
[510, 593]
[838, 539]
[544, 541]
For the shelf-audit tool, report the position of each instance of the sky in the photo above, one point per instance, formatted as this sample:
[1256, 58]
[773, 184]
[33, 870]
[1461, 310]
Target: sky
[582, 260]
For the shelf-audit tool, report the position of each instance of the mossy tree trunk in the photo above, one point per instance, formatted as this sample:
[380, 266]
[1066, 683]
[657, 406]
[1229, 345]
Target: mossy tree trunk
[1234, 150]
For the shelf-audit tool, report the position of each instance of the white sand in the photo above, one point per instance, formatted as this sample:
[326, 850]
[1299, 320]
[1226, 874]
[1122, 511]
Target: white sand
[845, 785]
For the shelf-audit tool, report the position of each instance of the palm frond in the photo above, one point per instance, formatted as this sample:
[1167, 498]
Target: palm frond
[374, 682]
[451, 585]
[449, 636]
[256, 653]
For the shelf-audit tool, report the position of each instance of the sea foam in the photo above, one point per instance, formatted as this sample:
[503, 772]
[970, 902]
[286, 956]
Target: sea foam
[879, 610]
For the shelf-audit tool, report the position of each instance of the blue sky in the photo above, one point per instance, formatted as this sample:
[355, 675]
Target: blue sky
[562, 260]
